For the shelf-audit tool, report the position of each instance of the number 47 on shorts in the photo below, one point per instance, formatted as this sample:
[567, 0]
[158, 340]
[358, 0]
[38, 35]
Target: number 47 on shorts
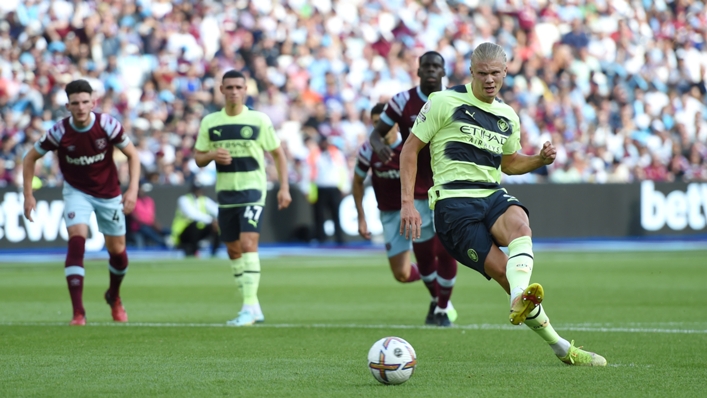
[252, 214]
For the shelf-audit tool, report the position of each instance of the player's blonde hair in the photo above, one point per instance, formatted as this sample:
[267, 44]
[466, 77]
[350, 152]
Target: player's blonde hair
[485, 52]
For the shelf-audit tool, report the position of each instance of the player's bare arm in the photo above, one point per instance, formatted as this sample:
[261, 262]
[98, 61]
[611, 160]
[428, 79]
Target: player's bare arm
[283, 195]
[410, 221]
[377, 139]
[220, 156]
[357, 192]
[520, 164]
[27, 177]
[130, 196]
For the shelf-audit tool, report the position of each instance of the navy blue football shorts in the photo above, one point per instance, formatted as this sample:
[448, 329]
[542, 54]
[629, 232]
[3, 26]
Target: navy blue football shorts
[463, 226]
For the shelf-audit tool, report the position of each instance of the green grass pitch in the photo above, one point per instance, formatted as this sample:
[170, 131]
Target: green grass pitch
[645, 312]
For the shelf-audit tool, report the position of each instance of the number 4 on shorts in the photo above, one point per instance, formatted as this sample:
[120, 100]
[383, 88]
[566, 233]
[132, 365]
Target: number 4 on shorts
[115, 216]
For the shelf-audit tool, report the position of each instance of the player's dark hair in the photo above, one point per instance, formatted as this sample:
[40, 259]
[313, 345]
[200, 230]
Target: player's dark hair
[431, 53]
[78, 86]
[232, 74]
[378, 109]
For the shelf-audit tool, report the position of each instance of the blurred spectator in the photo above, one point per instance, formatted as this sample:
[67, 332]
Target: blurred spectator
[598, 74]
[194, 221]
[143, 226]
[328, 174]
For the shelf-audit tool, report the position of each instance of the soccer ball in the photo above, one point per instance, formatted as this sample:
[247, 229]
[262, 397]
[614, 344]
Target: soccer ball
[392, 360]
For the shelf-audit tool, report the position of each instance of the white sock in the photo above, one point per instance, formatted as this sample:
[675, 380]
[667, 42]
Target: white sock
[516, 292]
[441, 310]
[561, 348]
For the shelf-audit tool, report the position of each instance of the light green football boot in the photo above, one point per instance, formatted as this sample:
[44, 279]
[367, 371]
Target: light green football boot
[524, 303]
[578, 357]
[451, 312]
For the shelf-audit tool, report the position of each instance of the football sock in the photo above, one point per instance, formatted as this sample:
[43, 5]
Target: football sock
[446, 274]
[251, 278]
[538, 322]
[237, 266]
[427, 264]
[414, 273]
[117, 267]
[430, 282]
[74, 272]
[445, 290]
[519, 267]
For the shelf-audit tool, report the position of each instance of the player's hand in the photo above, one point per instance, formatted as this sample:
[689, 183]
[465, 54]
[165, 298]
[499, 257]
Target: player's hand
[283, 198]
[548, 153]
[410, 221]
[384, 152]
[129, 199]
[30, 204]
[363, 229]
[221, 156]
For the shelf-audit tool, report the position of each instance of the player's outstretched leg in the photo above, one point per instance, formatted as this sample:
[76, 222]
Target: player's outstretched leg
[74, 272]
[539, 322]
[118, 267]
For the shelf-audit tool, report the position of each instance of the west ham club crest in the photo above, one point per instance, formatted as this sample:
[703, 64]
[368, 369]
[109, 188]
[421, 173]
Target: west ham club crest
[101, 143]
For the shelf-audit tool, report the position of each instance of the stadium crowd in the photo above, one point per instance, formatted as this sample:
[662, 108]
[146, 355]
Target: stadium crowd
[618, 86]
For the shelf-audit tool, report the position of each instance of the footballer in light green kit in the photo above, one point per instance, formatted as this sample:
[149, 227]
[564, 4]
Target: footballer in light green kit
[463, 131]
[235, 138]
[473, 137]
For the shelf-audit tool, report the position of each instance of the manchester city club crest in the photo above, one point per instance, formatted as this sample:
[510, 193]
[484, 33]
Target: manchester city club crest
[101, 143]
[246, 132]
[472, 255]
[503, 125]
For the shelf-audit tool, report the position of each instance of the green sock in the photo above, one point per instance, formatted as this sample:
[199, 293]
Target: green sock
[251, 278]
[238, 265]
[538, 322]
[520, 264]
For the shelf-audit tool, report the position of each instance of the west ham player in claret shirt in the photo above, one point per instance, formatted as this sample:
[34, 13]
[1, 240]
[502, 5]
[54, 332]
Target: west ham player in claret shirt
[385, 179]
[438, 269]
[84, 146]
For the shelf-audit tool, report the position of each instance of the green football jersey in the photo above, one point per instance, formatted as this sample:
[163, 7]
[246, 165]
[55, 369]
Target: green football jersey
[467, 139]
[245, 136]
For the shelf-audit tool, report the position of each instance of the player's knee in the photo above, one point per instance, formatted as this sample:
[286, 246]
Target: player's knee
[249, 247]
[401, 275]
[115, 246]
[249, 243]
[524, 230]
[234, 254]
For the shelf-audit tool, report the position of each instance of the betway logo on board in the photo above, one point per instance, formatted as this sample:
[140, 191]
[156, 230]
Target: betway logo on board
[86, 160]
[48, 223]
[677, 209]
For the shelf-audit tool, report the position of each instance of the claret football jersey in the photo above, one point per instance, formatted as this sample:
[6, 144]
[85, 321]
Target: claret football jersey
[403, 109]
[86, 155]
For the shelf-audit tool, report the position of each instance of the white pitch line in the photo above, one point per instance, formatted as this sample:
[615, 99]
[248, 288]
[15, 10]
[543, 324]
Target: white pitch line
[360, 326]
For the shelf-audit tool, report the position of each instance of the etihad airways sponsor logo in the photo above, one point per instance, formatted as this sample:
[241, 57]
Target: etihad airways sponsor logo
[86, 160]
